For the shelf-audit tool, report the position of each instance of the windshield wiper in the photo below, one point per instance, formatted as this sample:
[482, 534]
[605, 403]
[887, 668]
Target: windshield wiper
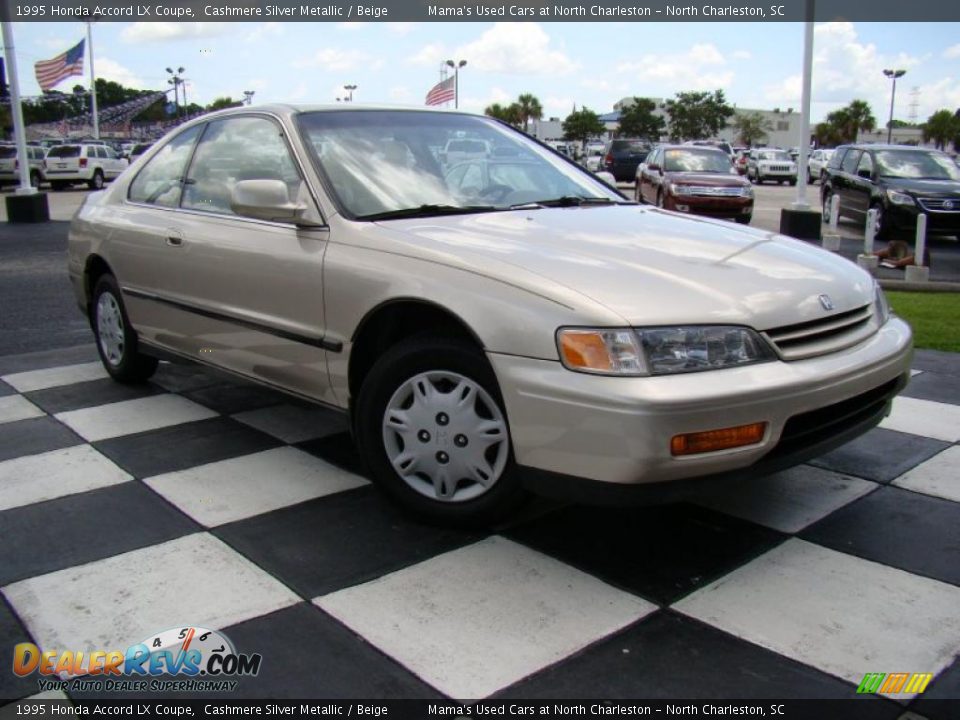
[427, 210]
[565, 201]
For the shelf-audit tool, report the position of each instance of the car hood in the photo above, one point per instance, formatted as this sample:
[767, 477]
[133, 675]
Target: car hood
[708, 179]
[649, 266]
[926, 188]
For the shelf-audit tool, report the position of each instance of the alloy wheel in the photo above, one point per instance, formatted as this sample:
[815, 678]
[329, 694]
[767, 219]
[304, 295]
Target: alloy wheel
[110, 328]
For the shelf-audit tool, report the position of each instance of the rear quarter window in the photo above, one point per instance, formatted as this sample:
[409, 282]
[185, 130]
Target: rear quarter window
[64, 151]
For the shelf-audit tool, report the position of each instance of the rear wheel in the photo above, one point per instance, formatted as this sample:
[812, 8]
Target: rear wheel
[35, 178]
[660, 199]
[880, 226]
[744, 219]
[826, 204]
[96, 182]
[793, 181]
[430, 424]
[637, 194]
[116, 340]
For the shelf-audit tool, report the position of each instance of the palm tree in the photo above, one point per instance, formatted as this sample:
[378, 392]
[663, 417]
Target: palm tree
[508, 114]
[857, 118]
[941, 127]
[751, 126]
[529, 108]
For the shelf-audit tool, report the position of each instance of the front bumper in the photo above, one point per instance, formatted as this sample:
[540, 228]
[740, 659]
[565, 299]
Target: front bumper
[618, 430]
[904, 218]
[720, 207]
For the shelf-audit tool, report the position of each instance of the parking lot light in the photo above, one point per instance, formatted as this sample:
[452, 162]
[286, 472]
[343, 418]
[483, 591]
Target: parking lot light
[893, 75]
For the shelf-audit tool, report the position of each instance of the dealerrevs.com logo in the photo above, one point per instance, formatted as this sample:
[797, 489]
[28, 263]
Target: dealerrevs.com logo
[188, 659]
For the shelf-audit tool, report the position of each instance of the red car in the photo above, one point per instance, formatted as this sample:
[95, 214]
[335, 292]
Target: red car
[695, 180]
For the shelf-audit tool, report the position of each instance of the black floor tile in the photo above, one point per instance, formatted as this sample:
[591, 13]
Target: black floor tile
[881, 455]
[33, 436]
[339, 450]
[340, 665]
[88, 394]
[78, 529]
[183, 446]
[935, 386]
[230, 398]
[337, 541]
[667, 656]
[182, 377]
[661, 553]
[941, 701]
[907, 530]
[945, 363]
[10, 364]
[13, 633]
[6, 389]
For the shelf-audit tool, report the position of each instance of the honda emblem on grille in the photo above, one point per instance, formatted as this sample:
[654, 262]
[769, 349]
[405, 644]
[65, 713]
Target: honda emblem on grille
[826, 302]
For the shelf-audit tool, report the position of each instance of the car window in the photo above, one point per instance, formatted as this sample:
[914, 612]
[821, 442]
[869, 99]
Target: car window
[865, 164]
[696, 160]
[160, 181]
[850, 161]
[64, 151]
[109, 153]
[235, 149]
[917, 164]
[837, 158]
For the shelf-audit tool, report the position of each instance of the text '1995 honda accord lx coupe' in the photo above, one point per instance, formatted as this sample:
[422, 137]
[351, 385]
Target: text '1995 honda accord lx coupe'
[490, 324]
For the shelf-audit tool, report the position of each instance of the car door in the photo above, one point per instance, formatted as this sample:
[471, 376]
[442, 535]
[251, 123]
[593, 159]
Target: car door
[250, 290]
[843, 183]
[112, 165]
[861, 185]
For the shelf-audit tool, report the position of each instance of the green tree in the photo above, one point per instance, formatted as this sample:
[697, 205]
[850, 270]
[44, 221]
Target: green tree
[221, 103]
[528, 108]
[751, 127]
[638, 120]
[581, 125]
[941, 128]
[695, 115]
[507, 113]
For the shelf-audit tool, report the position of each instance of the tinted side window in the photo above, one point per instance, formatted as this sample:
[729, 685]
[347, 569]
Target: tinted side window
[850, 161]
[837, 158]
[161, 180]
[235, 149]
[865, 164]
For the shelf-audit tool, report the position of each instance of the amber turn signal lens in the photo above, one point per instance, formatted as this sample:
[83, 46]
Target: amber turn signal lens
[712, 440]
[585, 350]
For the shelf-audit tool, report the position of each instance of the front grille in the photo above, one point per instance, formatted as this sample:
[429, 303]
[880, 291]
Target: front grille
[818, 425]
[820, 337]
[776, 168]
[711, 191]
[940, 204]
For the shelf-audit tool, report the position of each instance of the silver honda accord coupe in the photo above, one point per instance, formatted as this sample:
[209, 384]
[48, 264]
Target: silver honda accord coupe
[491, 324]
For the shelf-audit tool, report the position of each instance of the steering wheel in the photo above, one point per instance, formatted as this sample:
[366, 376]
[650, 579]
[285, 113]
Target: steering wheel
[495, 193]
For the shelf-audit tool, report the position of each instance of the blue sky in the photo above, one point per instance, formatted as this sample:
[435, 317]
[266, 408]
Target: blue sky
[593, 64]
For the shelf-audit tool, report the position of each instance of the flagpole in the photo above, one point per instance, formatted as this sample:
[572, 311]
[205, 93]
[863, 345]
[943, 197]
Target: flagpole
[93, 83]
[15, 109]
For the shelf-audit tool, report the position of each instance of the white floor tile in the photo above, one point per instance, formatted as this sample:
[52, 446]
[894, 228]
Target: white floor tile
[787, 501]
[940, 421]
[54, 377]
[35, 478]
[112, 603]
[474, 620]
[839, 613]
[292, 423]
[133, 416]
[14, 408]
[939, 476]
[242, 487]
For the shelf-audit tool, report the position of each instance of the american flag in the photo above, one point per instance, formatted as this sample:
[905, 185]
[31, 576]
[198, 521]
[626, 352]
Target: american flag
[51, 72]
[442, 92]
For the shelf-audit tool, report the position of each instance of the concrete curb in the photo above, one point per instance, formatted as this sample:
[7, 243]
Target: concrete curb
[938, 286]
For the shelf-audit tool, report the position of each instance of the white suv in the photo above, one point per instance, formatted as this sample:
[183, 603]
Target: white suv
[92, 164]
[10, 165]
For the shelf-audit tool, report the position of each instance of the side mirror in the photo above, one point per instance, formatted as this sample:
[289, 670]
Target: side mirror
[266, 200]
[653, 167]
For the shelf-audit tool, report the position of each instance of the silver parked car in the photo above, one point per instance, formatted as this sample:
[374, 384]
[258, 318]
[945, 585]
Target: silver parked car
[488, 328]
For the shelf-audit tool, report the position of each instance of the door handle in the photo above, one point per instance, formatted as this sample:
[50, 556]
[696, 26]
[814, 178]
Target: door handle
[174, 241]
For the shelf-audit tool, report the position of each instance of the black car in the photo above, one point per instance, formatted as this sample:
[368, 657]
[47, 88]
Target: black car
[621, 157]
[899, 181]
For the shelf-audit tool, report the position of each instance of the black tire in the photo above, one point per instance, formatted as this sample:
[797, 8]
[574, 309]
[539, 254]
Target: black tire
[400, 364]
[660, 199]
[35, 178]
[825, 197]
[638, 196]
[809, 177]
[744, 219]
[793, 181]
[96, 182]
[58, 185]
[129, 365]
[882, 231]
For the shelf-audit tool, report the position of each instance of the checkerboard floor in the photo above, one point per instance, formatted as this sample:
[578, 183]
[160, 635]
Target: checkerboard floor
[196, 500]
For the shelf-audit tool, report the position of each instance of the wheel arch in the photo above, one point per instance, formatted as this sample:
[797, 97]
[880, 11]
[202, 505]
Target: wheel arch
[93, 270]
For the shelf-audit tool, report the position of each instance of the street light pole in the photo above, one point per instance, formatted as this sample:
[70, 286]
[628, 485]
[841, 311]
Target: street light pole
[248, 97]
[177, 81]
[349, 89]
[456, 80]
[893, 75]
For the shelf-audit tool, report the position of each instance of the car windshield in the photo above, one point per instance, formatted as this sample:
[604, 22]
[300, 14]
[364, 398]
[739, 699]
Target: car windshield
[774, 155]
[378, 163]
[696, 160]
[916, 164]
[64, 151]
[630, 146]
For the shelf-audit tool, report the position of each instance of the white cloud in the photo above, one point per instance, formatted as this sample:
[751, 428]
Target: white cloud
[401, 28]
[401, 94]
[477, 104]
[952, 53]
[140, 32]
[298, 93]
[517, 49]
[336, 59]
[741, 55]
[699, 68]
[112, 70]
[430, 54]
[264, 30]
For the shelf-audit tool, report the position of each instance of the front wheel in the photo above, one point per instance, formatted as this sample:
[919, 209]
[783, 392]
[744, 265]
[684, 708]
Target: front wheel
[116, 340]
[793, 181]
[430, 425]
[826, 204]
[880, 227]
[35, 178]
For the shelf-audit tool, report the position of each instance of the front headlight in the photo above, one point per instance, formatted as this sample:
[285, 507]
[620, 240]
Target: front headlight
[747, 191]
[880, 304]
[661, 351]
[679, 189]
[899, 198]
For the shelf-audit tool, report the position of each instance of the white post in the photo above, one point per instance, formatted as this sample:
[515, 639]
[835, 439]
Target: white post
[93, 83]
[801, 202]
[834, 212]
[867, 260]
[831, 238]
[918, 272]
[18, 129]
